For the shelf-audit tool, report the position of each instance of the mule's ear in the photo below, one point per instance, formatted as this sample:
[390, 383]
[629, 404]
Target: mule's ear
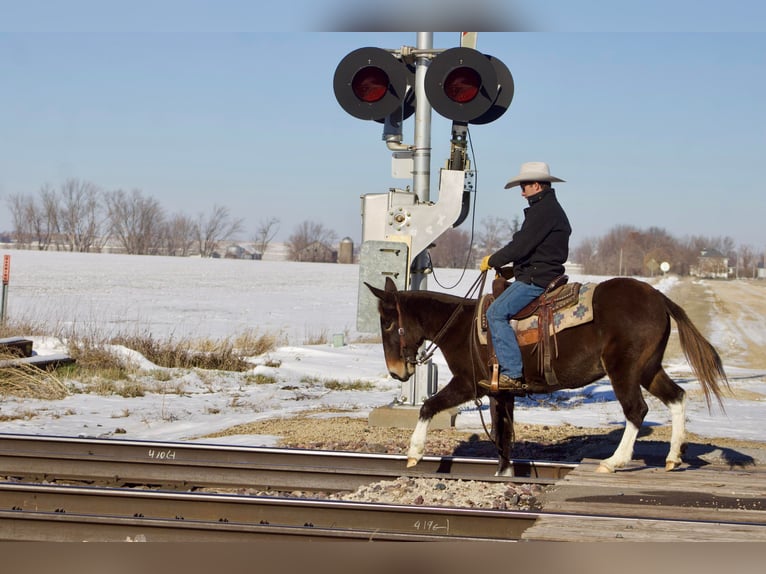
[379, 293]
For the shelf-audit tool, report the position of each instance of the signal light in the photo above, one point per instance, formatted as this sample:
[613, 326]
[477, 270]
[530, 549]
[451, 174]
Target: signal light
[372, 84]
[464, 85]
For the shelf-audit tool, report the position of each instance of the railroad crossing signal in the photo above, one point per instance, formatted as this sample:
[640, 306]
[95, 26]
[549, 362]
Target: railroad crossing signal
[465, 85]
[461, 84]
[372, 84]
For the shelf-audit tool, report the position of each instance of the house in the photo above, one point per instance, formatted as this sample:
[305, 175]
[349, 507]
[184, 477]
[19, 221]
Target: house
[318, 252]
[711, 264]
[240, 252]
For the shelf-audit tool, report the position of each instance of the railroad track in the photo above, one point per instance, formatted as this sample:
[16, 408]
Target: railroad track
[73, 489]
[187, 466]
[70, 489]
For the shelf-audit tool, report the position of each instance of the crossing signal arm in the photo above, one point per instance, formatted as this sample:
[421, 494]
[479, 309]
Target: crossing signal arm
[461, 84]
[373, 84]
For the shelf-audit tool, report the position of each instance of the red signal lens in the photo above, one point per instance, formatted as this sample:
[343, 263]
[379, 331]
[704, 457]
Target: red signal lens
[462, 85]
[370, 84]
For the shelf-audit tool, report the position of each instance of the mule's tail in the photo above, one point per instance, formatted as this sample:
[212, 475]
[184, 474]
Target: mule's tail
[702, 356]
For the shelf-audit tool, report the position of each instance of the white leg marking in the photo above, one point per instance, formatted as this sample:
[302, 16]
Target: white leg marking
[508, 471]
[417, 443]
[624, 452]
[677, 433]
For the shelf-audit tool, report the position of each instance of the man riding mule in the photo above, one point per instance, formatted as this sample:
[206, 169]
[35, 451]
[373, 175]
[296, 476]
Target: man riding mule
[625, 341]
[538, 251]
[623, 337]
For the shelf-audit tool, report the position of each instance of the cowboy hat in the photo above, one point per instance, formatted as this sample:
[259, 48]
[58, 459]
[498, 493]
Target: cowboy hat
[532, 171]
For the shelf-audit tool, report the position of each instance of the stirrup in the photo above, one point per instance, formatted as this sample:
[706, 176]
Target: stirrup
[504, 383]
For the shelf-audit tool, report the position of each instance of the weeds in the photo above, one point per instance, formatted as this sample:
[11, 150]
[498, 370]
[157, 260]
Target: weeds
[221, 355]
[24, 380]
[334, 385]
[103, 366]
[259, 379]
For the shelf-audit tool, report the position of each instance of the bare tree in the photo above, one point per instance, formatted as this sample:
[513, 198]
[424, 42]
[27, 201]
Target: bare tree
[587, 254]
[216, 227]
[18, 204]
[49, 227]
[80, 216]
[451, 249]
[35, 221]
[264, 233]
[628, 250]
[310, 234]
[179, 235]
[747, 260]
[136, 222]
[496, 232]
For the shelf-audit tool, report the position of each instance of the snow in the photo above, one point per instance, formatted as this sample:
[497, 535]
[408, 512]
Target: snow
[220, 298]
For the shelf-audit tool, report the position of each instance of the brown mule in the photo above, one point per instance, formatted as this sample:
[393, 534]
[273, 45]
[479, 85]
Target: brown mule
[625, 341]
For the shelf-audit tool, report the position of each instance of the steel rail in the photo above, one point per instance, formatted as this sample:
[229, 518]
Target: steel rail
[66, 513]
[34, 512]
[187, 466]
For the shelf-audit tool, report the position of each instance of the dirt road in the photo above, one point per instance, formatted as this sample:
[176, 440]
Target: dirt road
[731, 314]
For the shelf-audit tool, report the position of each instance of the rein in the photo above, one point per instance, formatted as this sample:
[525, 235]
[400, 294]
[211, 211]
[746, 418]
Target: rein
[476, 288]
[428, 352]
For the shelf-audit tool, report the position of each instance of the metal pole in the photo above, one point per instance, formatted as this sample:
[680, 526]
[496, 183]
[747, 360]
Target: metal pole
[6, 281]
[425, 380]
[421, 174]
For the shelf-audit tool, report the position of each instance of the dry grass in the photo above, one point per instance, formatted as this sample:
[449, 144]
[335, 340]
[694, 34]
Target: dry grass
[101, 368]
[22, 380]
[223, 355]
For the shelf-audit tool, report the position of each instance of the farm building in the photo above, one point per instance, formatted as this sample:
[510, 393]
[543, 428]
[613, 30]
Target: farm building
[711, 264]
[318, 252]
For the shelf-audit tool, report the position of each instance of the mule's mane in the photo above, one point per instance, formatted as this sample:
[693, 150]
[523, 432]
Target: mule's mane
[436, 296]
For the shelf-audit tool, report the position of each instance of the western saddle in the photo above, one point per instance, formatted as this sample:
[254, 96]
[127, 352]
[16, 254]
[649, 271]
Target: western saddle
[559, 294]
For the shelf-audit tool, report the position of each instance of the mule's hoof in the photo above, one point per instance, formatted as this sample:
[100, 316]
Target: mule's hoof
[670, 465]
[411, 462]
[603, 469]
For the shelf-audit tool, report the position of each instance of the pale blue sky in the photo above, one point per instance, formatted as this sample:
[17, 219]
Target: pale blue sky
[653, 114]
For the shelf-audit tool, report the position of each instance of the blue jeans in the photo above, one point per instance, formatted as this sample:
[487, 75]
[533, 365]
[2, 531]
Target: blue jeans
[515, 297]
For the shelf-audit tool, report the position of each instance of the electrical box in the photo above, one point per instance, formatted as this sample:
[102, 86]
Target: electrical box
[378, 260]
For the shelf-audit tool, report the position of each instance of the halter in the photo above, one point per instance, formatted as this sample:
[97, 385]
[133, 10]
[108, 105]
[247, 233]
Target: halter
[402, 344]
[426, 354]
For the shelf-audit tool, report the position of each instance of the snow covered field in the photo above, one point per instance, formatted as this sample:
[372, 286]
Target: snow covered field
[219, 298]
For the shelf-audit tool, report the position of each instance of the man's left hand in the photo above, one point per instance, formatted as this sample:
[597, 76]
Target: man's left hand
[484, 266]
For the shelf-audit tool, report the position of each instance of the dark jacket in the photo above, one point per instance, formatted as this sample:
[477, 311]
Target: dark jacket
[540, 248]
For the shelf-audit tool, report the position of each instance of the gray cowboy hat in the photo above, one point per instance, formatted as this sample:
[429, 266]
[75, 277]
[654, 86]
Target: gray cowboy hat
[532, 171]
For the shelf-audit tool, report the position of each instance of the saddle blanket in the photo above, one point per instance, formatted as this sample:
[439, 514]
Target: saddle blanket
[527, 329]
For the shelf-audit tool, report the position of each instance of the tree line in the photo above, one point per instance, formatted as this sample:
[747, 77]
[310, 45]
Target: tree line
[624, 250]
[79, 216]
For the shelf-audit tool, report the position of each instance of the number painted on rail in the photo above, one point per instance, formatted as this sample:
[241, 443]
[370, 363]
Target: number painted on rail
[162, 454]
[431, 526]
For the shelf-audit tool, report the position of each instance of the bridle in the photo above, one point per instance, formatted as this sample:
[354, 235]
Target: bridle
[426, 354]
[412, 360]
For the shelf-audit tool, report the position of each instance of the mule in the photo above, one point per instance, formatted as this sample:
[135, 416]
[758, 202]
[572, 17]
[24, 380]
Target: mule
[625, 342]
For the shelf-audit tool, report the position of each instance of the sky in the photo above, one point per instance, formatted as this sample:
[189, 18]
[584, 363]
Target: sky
[652, 112]
[169, 297]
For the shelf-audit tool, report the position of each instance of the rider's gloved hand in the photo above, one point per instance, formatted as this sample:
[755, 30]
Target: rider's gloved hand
[484, 266]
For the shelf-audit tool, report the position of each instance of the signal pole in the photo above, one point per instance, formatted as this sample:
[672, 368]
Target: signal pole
[426, 379]
[388, 86]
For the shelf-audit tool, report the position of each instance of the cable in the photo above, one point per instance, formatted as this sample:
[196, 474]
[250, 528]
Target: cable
[473, 223]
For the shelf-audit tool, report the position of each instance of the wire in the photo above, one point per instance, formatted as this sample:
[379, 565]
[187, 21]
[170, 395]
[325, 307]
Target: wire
[473, 223]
